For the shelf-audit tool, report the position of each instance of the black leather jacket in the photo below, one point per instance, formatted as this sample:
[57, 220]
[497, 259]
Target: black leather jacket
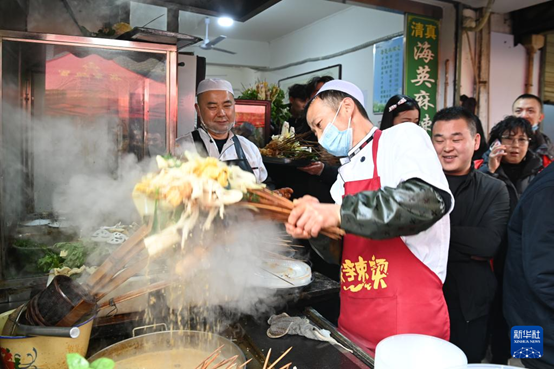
[478, 224]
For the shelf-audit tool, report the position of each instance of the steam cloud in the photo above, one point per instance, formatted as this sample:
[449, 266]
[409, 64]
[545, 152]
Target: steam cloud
[79, 173]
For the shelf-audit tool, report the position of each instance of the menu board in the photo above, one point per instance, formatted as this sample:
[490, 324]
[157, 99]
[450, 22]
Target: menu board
[387, 72]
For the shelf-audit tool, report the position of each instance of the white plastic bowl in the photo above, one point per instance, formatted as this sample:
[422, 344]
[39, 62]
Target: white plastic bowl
[418, 351]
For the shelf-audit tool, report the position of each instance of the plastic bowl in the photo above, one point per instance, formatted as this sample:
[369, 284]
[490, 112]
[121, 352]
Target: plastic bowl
[418, 351]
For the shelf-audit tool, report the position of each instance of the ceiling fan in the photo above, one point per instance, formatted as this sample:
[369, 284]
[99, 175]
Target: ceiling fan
[209, 44]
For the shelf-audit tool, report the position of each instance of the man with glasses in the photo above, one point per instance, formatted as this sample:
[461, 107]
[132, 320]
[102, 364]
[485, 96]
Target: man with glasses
[511, 160]
[530, 107]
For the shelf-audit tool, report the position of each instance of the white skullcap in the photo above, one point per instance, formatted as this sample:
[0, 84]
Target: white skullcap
[346, 87]
[214, 84]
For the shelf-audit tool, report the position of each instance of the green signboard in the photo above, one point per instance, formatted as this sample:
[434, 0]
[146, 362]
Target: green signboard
[422, 65]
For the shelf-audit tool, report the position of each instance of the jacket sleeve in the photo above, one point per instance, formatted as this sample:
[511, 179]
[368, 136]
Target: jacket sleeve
[537, 239]
[408, 209]
[484, 240]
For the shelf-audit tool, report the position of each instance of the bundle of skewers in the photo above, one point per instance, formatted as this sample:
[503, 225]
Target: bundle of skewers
[201, 189]
[231, 362]
[294, 146]
[291, 147]
[273, 206]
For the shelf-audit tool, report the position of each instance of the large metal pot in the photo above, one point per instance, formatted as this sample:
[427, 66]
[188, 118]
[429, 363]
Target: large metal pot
[160, 344]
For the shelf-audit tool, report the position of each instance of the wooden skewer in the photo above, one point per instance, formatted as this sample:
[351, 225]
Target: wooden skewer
[278, 256]
[215, 352]
[244, 365]
[286, 366]
[277, 200]
[280, 357]
[141, 291]
[267, 359]
[209, 362]
[100, 291]
[118, 258]
[269, 207]
[231, 360]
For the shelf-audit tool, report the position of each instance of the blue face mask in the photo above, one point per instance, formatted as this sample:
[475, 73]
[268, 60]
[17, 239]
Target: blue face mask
[335, 141]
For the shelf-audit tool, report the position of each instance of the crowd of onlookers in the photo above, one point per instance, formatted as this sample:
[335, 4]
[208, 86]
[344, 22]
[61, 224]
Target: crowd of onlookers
[499, 271]
[500, 267]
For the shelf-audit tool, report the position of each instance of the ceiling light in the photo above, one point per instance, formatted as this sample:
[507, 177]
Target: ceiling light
[225, 21]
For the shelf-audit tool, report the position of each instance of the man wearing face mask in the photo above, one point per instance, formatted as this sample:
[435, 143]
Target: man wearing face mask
[216, 116]
[391, 198]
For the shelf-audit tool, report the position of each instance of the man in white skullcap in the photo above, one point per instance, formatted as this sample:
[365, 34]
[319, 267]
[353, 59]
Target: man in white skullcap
[216, 116]
[392, 200]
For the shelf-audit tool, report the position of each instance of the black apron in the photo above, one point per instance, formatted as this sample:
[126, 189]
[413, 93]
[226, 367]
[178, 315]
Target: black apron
[241, 161]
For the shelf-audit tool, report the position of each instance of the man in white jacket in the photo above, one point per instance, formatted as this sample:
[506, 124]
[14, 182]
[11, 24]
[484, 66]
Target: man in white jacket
[216, 116]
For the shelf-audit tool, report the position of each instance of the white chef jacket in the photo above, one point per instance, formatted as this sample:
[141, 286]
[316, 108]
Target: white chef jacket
[251, 151]
[405, 151]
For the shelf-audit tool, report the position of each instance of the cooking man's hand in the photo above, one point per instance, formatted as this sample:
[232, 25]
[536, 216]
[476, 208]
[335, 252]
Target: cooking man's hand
[315, 168]
[309, 216]
[495, 157]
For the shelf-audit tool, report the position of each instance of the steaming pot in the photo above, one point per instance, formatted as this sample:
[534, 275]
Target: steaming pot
[159, 343]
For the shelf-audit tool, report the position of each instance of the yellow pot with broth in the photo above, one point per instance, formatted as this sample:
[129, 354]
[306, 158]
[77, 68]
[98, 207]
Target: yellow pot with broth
[172, 350]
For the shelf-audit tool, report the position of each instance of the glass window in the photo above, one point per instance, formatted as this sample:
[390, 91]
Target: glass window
[69, 113]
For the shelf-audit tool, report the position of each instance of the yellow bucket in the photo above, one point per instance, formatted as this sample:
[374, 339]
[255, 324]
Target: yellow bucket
[41, 352]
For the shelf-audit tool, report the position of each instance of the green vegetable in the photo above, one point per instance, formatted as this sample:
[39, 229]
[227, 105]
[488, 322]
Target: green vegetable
[29, 244]
[263, 91]
[103, 363]
[75, 253]
[49, 261]
[76, 361]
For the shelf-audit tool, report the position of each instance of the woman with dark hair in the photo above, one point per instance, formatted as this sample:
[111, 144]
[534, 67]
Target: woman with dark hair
[400, 109]
[510, 160]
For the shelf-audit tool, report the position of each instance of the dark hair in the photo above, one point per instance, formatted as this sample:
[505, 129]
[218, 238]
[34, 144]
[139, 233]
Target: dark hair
[312, 83]
[333, 99]
[470, 104]
[530, 96]
[392, 109]
[510, 124]
[298, 91]
[456, 112]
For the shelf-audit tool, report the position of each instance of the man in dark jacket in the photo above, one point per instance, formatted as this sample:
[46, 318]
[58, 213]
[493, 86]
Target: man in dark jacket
[477, 222]
[529, 277]
[531, 107]
[512, 161]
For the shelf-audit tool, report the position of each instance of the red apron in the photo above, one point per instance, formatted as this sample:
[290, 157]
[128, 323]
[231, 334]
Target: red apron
[385, 288]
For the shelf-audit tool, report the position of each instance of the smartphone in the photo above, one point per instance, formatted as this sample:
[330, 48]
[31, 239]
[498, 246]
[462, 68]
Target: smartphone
[496, 143]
